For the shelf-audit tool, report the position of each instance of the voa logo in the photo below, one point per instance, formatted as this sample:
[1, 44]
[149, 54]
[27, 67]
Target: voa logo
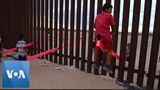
[13, 74]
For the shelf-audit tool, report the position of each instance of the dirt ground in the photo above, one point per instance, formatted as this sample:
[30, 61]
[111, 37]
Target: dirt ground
[47, 75]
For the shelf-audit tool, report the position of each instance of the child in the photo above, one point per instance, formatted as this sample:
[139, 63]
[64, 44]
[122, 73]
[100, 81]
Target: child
[0, 48]
[21, 47]
[103, 37]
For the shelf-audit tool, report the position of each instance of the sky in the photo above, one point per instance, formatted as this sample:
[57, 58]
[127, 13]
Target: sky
[121, 13]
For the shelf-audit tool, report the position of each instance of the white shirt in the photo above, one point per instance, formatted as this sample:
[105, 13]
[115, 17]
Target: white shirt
[21, 45]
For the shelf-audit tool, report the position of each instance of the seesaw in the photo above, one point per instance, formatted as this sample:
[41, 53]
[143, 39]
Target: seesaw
[99, 44]
[30, 58]
[14, 49]
[43, 53]
[49, 51]
[117, 56]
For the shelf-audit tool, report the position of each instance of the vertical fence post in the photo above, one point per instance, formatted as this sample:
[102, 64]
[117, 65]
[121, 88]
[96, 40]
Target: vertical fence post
[31, 24]
[61, 31]
[1, 22]
[46, 26]
[84, 35]
[134, 37]
[12, 24]
[38, 26]
[115, 37]
[55, 29]
[99, 6]
[72, 32]
[20, 16]
[10, 9]
[9, 22]
[66, 32]
[124, 39]
[15, 20]
[144, 42]
[51, 28]
[90, 43]
[1, 16]
[78, 33]
[4, 21]
[24, 18]
[109, 1]
[42, 28]
[99, 10]
[4, 15]
[27, 22]
[35, 27]
[154, 49]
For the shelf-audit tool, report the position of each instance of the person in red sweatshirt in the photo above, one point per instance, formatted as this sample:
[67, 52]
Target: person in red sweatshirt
[103, 37]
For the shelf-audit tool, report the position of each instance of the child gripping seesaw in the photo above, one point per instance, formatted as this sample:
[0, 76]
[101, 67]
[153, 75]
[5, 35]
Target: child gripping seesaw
[103, 37]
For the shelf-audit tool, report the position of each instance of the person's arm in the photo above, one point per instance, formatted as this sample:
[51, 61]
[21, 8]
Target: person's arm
[112, 23]
[113, 30]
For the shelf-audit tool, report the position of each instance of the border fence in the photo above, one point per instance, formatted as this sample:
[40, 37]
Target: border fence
[54, 23]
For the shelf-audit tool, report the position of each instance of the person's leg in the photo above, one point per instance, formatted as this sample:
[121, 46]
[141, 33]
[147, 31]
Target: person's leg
[96, 52]
[20, 58]
[96, 63]
[108, 67]
[25, 58]
[108, 50]
[109, 57]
